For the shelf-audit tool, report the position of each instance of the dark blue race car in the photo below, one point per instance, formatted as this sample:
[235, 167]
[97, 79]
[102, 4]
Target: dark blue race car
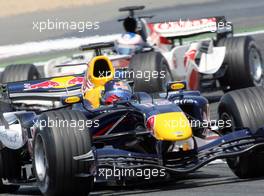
[108, 132]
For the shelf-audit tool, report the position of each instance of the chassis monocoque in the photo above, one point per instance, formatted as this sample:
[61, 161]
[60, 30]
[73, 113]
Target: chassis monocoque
[68, 148]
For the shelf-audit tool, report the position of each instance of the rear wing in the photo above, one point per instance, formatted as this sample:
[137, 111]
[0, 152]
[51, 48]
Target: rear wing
[187, 28]
[97, 47]
[43, 89]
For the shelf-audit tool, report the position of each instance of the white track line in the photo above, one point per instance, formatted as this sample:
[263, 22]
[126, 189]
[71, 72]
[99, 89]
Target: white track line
[51, 45]
[64, 44]
[250, 33]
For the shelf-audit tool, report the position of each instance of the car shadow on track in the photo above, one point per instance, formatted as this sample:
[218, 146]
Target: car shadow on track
[189, 182]
[27, 191]
[198, 179]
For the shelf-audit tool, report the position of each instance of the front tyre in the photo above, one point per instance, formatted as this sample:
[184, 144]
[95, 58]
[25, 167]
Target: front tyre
[244, 108]
[55, 146]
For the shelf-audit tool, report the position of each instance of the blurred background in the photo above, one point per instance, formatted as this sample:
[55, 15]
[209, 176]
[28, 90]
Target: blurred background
[17, 18]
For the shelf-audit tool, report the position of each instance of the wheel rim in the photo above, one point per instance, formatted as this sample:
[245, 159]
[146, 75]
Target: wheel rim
[40, 158]
[256, 69]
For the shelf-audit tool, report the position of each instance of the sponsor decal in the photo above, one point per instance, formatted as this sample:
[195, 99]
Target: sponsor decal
[162, 102]
[62, 82]
[185, 101]
[73, 99]
[187, 27]
[177, 86]
[189, 56]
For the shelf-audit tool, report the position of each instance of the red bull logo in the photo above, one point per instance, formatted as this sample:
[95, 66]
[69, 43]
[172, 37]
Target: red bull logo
[76, 80]
[45, 84]
[62, 82]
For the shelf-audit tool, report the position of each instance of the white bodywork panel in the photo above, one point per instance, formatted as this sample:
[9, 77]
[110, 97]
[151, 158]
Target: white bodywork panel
[210, 62]
[51, 69]
[12, 137]
[183, 60]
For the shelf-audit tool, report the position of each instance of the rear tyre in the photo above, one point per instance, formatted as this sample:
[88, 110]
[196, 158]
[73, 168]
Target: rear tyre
[54, 148]
[244, 108]
[243, 61]
[19, 72]
[151, 72]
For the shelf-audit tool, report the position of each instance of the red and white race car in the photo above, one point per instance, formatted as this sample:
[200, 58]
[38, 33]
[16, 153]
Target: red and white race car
[223, 62]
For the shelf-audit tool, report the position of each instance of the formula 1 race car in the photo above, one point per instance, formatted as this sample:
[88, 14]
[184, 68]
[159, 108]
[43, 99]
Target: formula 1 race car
[224, 62]
[103, 126]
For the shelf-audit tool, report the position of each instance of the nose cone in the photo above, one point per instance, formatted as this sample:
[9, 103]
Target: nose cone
[173, 126]
[100, 70]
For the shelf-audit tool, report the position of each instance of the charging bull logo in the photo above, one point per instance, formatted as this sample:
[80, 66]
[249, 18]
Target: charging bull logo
[189, 56]
[62, 82]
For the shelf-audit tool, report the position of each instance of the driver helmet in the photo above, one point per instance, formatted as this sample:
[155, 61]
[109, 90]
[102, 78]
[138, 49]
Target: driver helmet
[116, 90]
[129, 42]
[130, 25]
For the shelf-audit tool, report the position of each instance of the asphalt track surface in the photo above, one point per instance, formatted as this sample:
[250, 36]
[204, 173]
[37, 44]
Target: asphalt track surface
[217, 179]
[212, 180]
